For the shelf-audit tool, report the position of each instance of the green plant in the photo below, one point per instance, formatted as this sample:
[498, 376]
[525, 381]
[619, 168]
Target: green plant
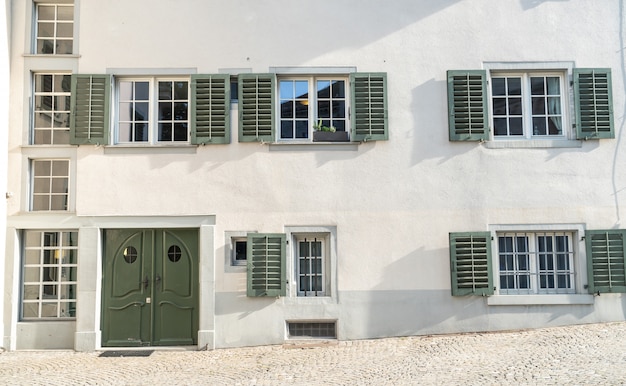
[319, 127]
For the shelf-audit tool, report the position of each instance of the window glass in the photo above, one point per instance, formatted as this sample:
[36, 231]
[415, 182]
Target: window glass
[311, 266]
[311, 104]
[51, 112]
[55, 29]
[151, 116]
[50, 185]
[49, 274]
[527, 106]
[531, 263]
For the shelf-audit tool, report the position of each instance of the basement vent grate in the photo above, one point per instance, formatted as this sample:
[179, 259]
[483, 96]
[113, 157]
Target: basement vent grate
[326, 330]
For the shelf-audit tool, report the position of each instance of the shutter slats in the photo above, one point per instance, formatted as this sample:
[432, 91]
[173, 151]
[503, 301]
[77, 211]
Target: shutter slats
[369, 106]
[210, 109]
[256, 107]
[606, 260]
[593, 99]
[467, 105]
[470, 261]
[89, 123]
[266, 264]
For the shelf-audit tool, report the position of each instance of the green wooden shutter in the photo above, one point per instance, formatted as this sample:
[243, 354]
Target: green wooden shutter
[210, 109]
[593, 100]
[468, 118]
[256, 107]
[369, 106]
[606, 260]
[266, 264]
[470, 263]
[89, 122]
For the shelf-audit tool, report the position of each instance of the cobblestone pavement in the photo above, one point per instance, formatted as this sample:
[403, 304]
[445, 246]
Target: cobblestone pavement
[576, 355]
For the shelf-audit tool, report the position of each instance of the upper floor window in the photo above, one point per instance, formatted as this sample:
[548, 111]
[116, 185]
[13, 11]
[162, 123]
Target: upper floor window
[310, 105]
[51, 112]
[153, 111]
[530, 104]
[54, 29]
[527, 105]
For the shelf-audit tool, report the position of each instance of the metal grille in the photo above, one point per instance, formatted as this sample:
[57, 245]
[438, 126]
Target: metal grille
[312, 330]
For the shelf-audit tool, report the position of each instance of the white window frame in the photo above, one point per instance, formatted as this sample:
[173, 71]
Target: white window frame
[526, 98]
[579, 295]
[54, 38]
[311, 102]
[60, 268]
[152, 120]
[313, 274]
[50, 194]
[329, 235]
[564, 69]
[53, 113]
[531, 272]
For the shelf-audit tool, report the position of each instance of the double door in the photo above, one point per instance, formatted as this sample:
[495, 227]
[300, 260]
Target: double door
[150, 287]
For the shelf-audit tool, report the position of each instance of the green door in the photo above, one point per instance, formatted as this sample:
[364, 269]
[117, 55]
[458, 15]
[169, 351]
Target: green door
[150, 287]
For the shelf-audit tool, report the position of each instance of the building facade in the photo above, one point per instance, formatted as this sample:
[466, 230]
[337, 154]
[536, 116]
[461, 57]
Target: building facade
[223, 174]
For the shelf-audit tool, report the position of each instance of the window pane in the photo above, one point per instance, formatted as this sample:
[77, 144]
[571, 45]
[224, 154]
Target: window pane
[302, 110]
[323, 109]
[141, 132]
[286, 109]
[537, 86]
[46, 12]
[286, 89]
[538, 105]
[500, 126]
[64, 47]
[286, 129]
[515, 126]
[514, 86]
[180, 132]
[125, 91]
[339, 109]
[165, 131]
[302, 129]
[338, 89]
[302, 89]
[65, 13]
[181, 90]
[515, 106]
[60, 168]
[32, 274]
[142, 91]
[65, 30]
[498, 86]
[165, 91]
[45, 30]
[180, 111]
[554, 85]
[323, 89]
[165, 111]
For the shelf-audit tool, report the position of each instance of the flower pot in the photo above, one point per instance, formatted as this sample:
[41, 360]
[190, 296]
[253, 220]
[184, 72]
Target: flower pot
[330, 136]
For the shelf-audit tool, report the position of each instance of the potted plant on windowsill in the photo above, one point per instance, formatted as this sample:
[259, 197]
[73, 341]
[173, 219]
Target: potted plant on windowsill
[323, 133]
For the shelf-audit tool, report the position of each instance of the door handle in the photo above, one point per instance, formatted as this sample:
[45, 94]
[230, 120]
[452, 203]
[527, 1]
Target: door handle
[157, 280]
[145, 282]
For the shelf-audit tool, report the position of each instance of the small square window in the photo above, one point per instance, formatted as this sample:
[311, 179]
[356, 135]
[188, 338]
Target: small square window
[239, 251]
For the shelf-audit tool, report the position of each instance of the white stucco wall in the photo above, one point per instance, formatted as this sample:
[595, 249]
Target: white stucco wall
[392, 202]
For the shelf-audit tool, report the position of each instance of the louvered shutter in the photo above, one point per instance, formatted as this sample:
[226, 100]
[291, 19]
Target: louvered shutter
[89, 122]
[210, 109]
[470, 263]
[369, 106]
[266, 264]
[256, 107]
[594, 103]
[606, 260]
[468, 118]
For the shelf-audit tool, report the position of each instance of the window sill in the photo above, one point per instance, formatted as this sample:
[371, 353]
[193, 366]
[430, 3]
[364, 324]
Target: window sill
[316, 146]
[529, 300]
[64, 56]
[150, 149]
[533, 144]
[308, 300]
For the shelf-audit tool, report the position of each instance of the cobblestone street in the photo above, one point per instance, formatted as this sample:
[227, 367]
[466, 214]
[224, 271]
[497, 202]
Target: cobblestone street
[580, 355]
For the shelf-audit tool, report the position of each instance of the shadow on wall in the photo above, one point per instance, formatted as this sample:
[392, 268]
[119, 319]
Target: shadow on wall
[528, 4]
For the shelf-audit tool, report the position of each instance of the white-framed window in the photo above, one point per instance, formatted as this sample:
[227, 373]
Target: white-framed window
[528, 105]
[49, 276]
[311, 261]
[51, 108]
[152, 110]
[50, 184]
[536, 263]
[310, 104]
[54, 29]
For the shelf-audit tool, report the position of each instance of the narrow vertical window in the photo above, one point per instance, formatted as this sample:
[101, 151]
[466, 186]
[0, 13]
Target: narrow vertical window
[294, 109]
[49, 277]
[134, 111]
[54, 29]
[50, 184]
[51, 110]
[311, 266]
[173, 107]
